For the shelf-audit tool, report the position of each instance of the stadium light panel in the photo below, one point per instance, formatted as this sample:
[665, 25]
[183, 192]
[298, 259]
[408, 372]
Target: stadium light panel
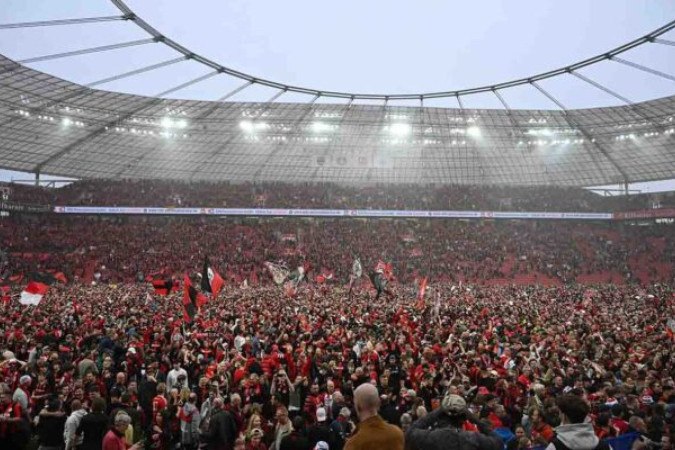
[400, 129]
[251, 127]
[66, 122]
[473, 131]
[246, 125]
[322, 127]
[168, 122]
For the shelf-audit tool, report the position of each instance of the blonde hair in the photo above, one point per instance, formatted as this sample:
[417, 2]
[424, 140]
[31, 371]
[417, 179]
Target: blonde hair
[185, 394]
[250, 427]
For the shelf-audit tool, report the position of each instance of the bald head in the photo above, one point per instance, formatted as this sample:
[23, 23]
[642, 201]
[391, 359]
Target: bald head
[366, 401]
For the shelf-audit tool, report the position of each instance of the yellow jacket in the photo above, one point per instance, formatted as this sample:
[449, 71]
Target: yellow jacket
[375, 434]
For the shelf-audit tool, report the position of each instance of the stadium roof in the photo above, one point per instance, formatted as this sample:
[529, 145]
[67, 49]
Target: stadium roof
[53, 126]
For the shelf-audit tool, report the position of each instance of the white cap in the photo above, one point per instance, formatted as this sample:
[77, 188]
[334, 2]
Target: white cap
[320, 415]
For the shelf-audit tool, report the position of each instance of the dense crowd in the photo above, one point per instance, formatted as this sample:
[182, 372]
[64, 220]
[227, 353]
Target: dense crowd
[116, 365]
[333, 196]
[122, 249]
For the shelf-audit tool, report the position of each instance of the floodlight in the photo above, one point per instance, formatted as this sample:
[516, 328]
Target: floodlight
[473, 131]
[66, 122]
[246, 125]
[321, 127]
[400, 129]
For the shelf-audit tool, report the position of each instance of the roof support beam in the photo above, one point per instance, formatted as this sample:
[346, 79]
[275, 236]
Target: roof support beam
[81, 91]
[149, 29]
[155, 100]
[459, 101]
[602, 88]
[51, 23]
[187, 84]
[663, 41]
[235, 91]
[591, 141]
[643, 68]
[635, 108]
[84, 51]
[136, 71]
[276, 96]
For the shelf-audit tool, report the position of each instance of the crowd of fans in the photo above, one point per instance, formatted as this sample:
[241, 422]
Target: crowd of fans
[472, 367]
[122, 249]
[332, 196]
[490, 358]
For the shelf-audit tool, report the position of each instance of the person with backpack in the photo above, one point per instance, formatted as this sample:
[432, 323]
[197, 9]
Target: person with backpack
[575, 433]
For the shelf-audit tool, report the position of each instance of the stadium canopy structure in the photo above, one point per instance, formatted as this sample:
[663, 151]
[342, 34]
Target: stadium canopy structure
[52, 126]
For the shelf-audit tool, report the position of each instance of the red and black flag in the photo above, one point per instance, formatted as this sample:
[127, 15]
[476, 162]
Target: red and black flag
[212, 282]
[192, 300]
[43, 277]
[162, 286]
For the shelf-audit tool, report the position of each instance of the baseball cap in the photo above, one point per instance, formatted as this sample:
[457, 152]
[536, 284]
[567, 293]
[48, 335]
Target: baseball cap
[321, 445]
[453, 404]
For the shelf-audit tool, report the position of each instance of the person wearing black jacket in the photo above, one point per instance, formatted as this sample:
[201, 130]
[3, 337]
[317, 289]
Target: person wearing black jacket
[222, 429]
[442, 429]
[297, 440]
[320, 430]
[93, 426]
[51, 424]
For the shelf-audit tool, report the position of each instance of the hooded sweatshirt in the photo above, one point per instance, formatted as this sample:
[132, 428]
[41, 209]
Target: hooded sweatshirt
[576, 436]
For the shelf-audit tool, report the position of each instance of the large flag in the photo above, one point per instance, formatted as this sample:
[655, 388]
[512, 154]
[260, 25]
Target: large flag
[33, 293]
[44, 278]
[357, 269]
[387, 269]
[279, 274]
[162, 286]
[212, 282]
[192, 300]
[422, 289]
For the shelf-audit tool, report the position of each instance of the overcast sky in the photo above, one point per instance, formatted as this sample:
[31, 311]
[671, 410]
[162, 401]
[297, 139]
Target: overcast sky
[383, 46]
[376, 46]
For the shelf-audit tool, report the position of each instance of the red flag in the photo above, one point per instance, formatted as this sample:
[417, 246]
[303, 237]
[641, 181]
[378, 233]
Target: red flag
[420, 293]
[60, 276]
[33, 293]
[212, 282]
